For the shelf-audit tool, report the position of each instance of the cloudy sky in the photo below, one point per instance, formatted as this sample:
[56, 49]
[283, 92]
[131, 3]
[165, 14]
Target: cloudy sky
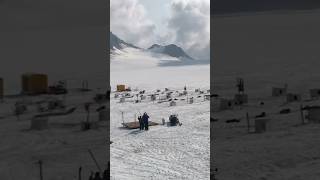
[185, 23]
[239, 6]
[62, 38]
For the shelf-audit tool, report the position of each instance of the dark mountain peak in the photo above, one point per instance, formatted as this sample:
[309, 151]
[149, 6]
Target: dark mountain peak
[155, 46]
[116, 42]
[171, 50]
[173, 46]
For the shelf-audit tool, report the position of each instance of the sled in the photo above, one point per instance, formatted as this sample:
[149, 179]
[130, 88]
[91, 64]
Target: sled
[62, 113]
[136, 125]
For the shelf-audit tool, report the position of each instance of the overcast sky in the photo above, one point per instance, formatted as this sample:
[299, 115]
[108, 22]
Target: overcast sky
[240, 6]
[185, 23]
[62, 38]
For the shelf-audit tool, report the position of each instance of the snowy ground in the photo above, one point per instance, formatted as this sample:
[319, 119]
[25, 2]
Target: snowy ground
[267, 50]
[141, 70]
[181, 152]
[63, 147]
[288, 150]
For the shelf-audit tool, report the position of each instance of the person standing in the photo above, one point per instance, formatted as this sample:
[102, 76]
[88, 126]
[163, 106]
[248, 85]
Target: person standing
[91, 176]
[106, 175]
[145, 119]
[140, 123]
[97, 176]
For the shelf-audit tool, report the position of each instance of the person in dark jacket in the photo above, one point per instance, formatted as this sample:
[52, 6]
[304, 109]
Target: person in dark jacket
[141, 123]
[91, 176]
[105, 175]
[145, 119]
[97, 176]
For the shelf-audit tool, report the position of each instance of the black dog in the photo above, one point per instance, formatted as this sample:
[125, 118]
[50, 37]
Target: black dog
[233, 121]
[285, 111]
[213, 120]
[263, 114]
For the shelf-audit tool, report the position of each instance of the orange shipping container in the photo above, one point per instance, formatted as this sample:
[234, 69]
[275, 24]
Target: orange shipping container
[34, 83]
[121, 88]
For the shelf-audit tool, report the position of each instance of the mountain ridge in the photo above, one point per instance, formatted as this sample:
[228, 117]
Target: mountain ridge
[170, 50]
[116, 42]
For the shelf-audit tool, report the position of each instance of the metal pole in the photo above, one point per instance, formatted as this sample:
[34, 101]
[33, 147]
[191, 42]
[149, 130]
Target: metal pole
[187, 98]
[40, 169]
[87, 107]
[88, 116]
[301, 111]
[80, 168]
[248, 122]
[122, 116]
[94, 159]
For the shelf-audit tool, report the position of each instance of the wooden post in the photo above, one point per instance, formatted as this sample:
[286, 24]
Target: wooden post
[65, 94]
[152, 99]
[1, 90]
[187, 99]
[17, 111]
[108, 169]
[122, 116]
[302, 116]
[88, 116]
[65, 99]
[248, 122]
[18, 117]
[65, 84]
[94, 159]
[79, 175]
[87, 107]
[40, 169]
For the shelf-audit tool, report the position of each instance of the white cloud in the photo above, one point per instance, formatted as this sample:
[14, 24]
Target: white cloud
[187, 25]
[129, 22]
[190, 23]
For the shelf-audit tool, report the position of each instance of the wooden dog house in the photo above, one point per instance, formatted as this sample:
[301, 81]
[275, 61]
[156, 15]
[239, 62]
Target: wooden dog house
[39, 123]
[314, 114]
[314, 93]
[261, 125]
[278, 91]
[226, 104]
[241, 99]
[293, 97]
